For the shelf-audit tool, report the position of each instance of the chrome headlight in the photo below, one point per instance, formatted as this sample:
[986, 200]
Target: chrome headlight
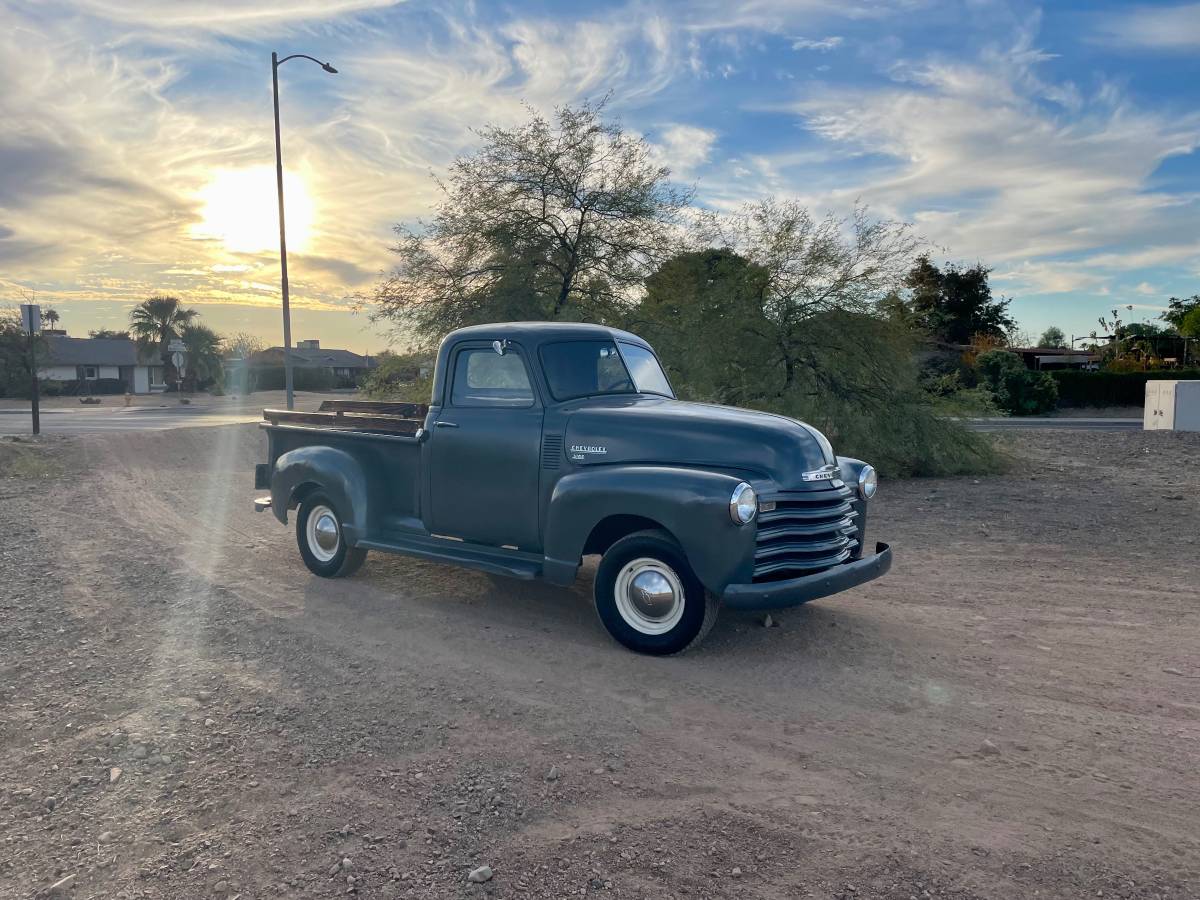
[743, 505]
[868, 482]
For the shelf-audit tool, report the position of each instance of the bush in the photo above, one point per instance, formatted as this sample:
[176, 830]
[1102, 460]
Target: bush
[271, 378]
[398, 377]
[1077, 388]
[1014, 388]
[77, 388]
[859, 384]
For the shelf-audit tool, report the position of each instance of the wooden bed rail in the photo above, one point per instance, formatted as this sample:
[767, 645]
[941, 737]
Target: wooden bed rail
[377, 407]
[341, 419]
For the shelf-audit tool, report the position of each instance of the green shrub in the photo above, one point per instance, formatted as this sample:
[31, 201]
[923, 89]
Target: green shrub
[1076, 388]
[271, 378]
[859, 384]
[398, 377]
[76, 388]
[1014, 388]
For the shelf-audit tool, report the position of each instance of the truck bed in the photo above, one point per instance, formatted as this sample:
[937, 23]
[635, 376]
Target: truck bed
[375, 416]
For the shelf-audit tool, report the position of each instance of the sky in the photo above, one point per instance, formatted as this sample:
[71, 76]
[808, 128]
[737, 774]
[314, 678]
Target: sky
[1059, 144]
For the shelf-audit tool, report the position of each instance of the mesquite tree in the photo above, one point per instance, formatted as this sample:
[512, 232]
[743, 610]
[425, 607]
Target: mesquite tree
[558, 218]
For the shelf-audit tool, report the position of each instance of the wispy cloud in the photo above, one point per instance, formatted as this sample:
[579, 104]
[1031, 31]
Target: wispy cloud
[823, 44]
[685, 148]
[227, 16]
[991, 160]
[1152, 27]
[118, 112]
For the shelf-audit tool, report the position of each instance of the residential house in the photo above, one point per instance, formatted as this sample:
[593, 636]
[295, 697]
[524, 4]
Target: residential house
[90, 363]
[345, 365]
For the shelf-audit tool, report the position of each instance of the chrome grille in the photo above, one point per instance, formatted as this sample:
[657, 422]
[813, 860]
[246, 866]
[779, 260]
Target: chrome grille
[806, 531]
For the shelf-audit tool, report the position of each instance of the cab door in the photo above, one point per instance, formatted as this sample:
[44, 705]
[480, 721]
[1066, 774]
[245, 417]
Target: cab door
[484, 450]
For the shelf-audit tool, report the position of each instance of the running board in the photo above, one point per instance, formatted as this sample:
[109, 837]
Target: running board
[494, 560]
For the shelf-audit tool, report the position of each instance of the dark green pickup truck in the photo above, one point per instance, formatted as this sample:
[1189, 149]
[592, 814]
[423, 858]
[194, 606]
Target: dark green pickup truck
[544, 443]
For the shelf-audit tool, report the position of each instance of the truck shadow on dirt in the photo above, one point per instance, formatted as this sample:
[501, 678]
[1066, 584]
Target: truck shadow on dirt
[396, 593]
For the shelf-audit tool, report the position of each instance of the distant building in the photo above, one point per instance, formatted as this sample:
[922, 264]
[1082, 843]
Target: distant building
[344, 365]
[1050, 358]
[83, 364]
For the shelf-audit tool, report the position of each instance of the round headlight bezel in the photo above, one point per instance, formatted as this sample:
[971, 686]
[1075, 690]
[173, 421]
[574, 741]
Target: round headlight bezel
[868, 482]
[743, 502]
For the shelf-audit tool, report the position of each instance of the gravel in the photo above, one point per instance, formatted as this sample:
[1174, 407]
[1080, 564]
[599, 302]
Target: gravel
[424, 706]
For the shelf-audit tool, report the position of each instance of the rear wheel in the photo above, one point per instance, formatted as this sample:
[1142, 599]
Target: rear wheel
[322, 544]
[649, 598]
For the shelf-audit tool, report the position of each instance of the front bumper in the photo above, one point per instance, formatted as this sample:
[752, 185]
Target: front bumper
[794, 591]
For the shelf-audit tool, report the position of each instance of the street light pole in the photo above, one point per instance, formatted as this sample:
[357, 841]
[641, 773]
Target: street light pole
[276, 62]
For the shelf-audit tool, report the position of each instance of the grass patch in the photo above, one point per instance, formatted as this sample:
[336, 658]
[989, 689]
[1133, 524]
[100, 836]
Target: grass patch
[30, 458]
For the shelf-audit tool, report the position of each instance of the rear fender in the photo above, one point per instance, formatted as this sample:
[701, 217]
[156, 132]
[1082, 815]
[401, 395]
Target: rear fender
[335, 472]
[693, 505]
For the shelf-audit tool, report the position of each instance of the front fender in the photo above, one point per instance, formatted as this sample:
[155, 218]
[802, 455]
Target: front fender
[692, 504]
[334, 472]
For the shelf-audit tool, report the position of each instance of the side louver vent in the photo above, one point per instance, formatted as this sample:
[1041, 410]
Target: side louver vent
[552, 451]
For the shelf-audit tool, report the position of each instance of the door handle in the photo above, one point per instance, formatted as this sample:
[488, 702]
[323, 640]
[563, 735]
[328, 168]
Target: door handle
[440, 424]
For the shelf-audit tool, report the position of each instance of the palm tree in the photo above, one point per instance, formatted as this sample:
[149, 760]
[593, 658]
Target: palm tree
[157, 322]
[51, 316]
[203, 354]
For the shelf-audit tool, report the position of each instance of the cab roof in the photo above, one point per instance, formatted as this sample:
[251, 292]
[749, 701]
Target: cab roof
[534, 334]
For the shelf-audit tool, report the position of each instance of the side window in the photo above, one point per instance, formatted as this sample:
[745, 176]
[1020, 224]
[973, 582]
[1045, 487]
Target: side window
[482, 377]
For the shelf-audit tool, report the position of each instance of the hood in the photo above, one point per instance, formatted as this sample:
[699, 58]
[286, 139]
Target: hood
[674, 432]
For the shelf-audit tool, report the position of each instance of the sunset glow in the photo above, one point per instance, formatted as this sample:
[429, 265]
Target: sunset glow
[139, 144]
[240, 209]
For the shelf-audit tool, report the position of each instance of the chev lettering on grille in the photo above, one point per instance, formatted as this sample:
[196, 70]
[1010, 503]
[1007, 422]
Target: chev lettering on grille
[826, 474]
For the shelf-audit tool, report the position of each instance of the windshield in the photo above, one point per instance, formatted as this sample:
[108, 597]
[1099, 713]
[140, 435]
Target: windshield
[586, 368]
[647, 373]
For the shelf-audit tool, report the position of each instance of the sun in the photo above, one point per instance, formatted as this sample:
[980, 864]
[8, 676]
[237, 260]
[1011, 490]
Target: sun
[239, 207]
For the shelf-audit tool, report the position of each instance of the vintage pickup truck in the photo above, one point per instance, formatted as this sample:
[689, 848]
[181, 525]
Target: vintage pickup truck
[544, 443]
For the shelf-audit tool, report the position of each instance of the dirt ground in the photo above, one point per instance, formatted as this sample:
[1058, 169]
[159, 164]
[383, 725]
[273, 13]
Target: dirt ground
[1014, 711]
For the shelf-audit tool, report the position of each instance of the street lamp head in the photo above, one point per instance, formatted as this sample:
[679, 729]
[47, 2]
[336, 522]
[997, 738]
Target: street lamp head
[328, 68]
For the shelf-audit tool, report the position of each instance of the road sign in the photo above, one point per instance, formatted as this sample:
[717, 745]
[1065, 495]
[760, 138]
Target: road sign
[31, 321]
[176, 346]
[31, 318]
[177, 360]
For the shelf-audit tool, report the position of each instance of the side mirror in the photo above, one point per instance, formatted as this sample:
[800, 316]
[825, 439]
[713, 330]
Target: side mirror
[500, 346]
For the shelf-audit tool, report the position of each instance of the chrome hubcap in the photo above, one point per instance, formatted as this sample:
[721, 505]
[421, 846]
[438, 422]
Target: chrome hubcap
[323, 533]
[649, 595]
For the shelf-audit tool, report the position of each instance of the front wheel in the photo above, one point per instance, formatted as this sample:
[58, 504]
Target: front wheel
[649, 598]
[322, 544]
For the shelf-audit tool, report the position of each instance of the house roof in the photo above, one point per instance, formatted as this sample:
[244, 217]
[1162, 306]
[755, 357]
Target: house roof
[69, 351]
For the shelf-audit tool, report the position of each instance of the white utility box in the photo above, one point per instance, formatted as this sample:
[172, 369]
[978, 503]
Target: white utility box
[1172, 406]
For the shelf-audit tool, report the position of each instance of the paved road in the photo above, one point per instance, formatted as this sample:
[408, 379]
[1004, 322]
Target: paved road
[66, 421]
[1043, 422]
